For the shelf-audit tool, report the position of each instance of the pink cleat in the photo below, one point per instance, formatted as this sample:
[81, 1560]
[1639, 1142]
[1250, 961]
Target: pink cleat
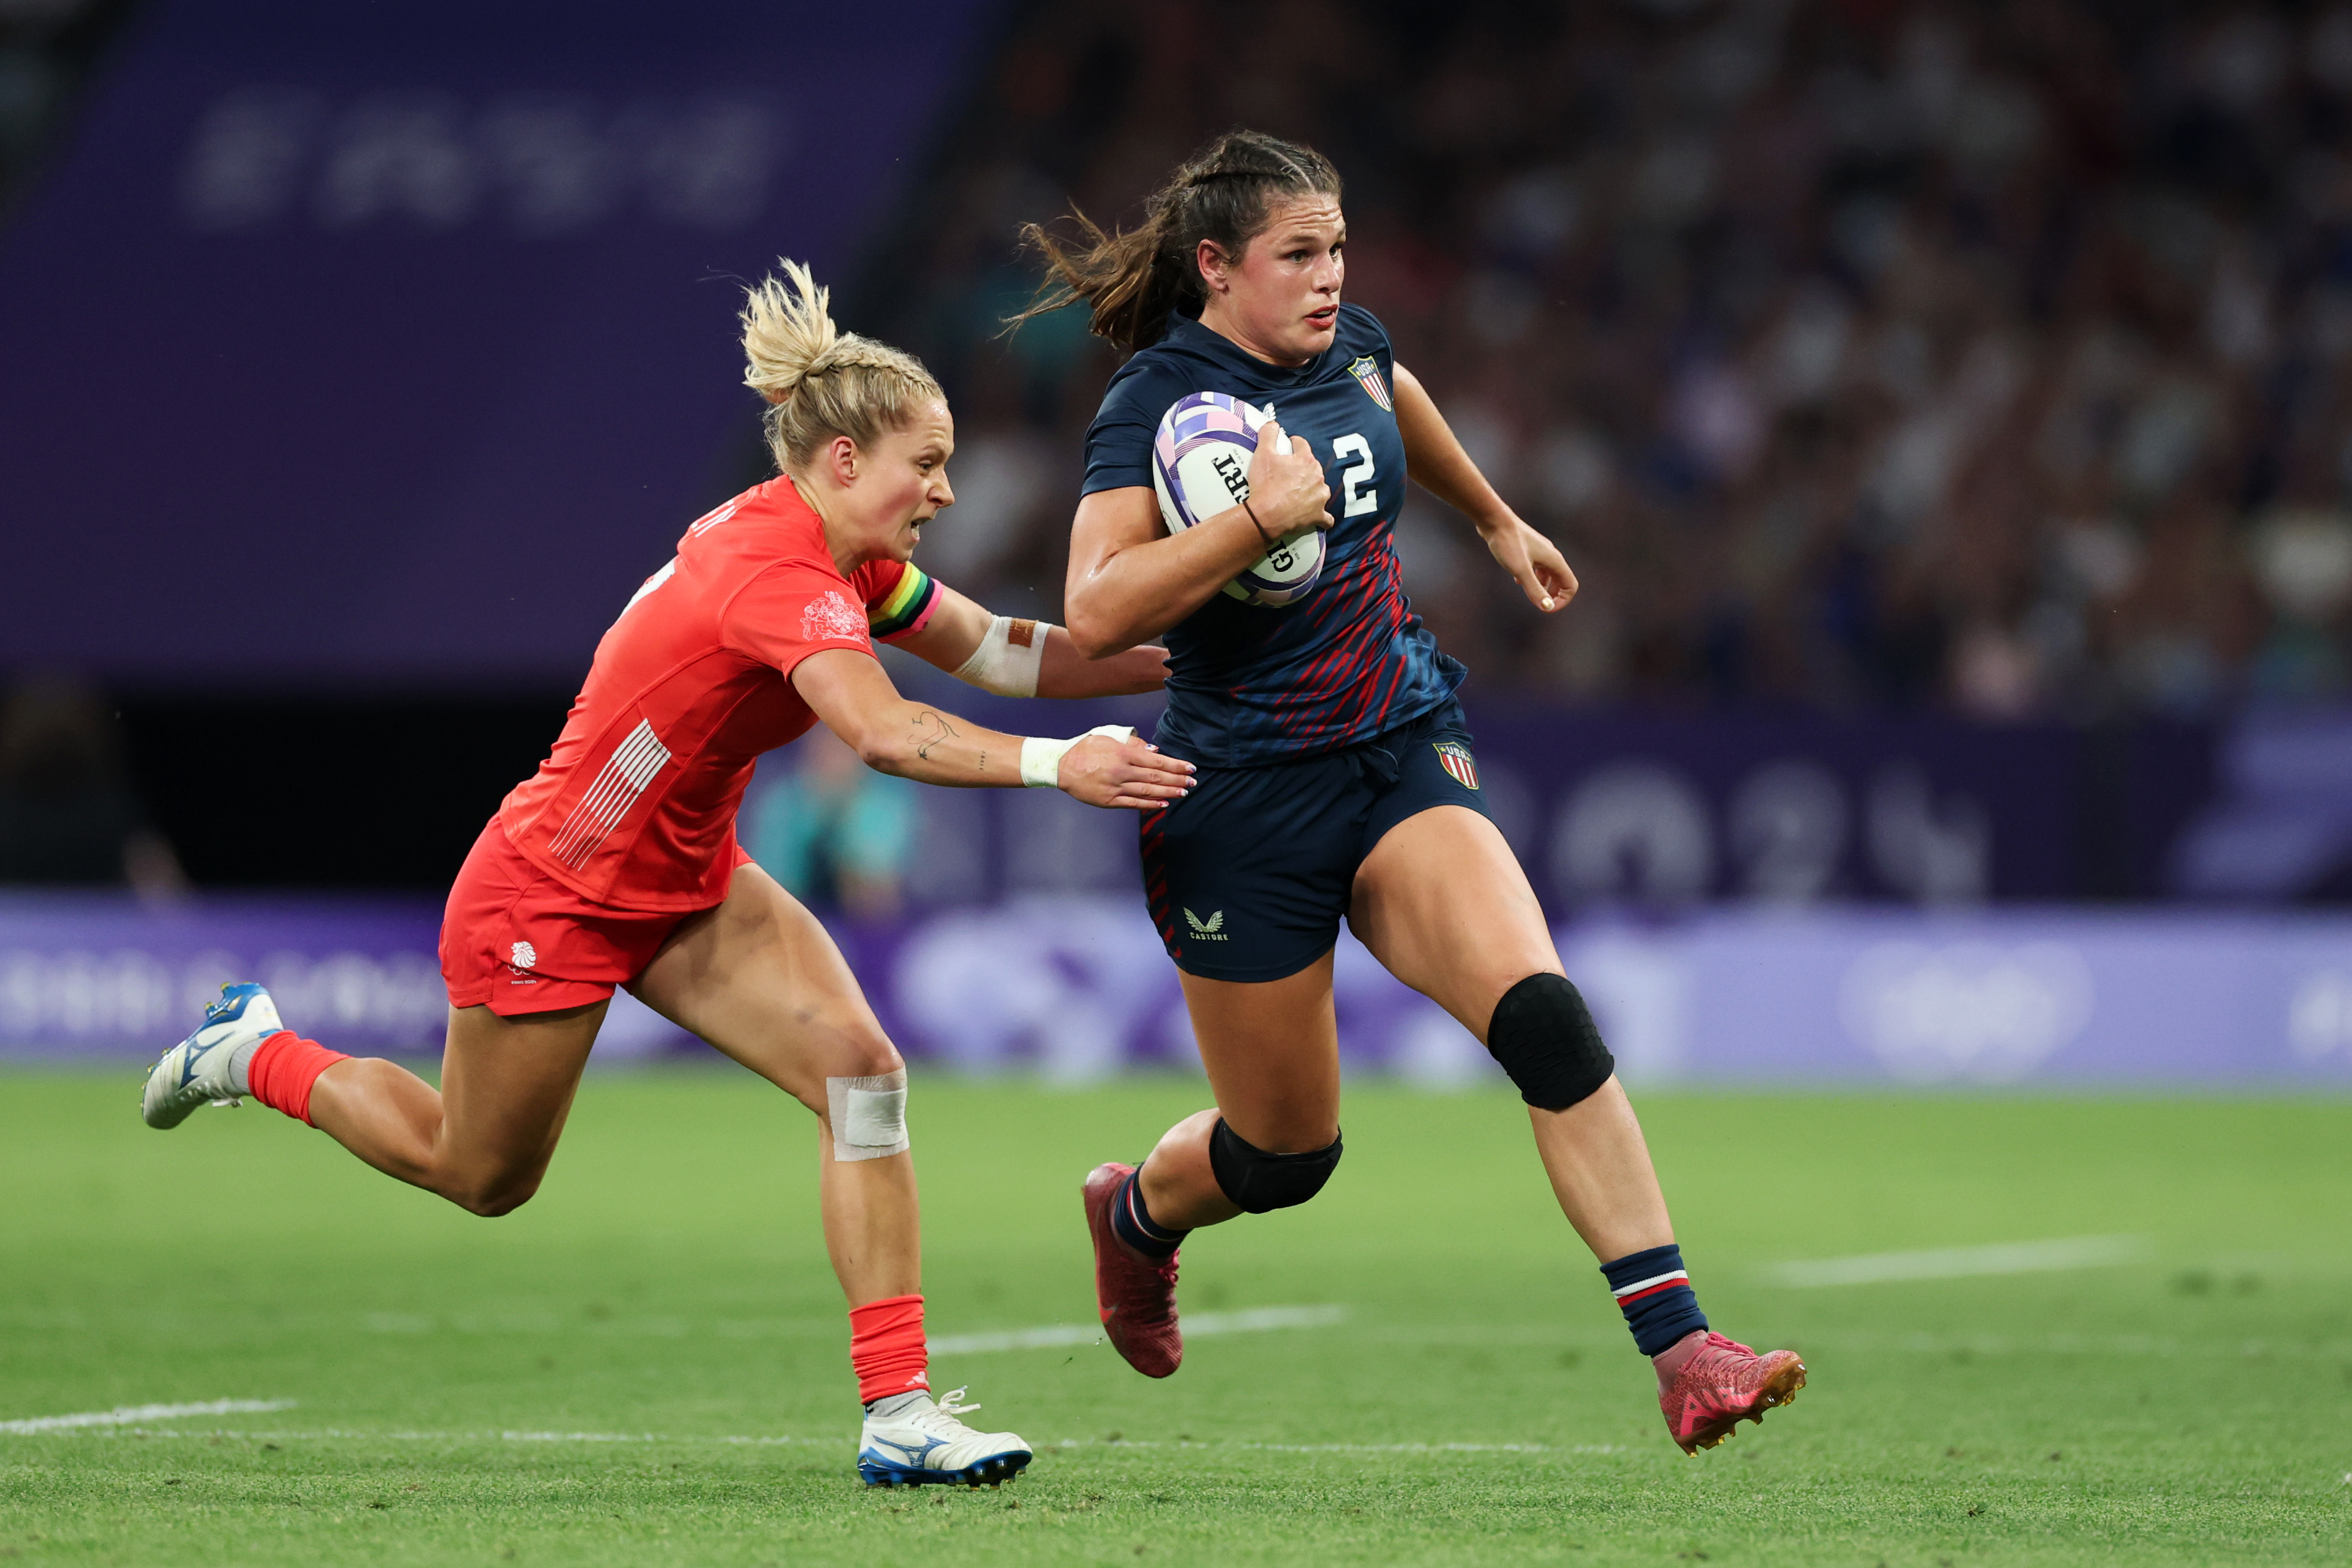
[1722, 1383]
[1136, 1296]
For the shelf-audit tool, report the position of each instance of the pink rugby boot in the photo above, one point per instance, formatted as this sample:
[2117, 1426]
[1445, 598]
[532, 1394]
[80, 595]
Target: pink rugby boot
[1136, 1295]
[1722, 1383]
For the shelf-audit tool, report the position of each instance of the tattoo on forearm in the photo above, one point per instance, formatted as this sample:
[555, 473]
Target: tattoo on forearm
[926, 720]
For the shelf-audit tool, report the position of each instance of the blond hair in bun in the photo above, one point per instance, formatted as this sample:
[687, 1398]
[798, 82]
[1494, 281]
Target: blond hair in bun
[820, 381]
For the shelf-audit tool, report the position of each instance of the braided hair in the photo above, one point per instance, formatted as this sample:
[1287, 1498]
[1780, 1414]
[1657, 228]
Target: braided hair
[1136, 277]
[820, 381]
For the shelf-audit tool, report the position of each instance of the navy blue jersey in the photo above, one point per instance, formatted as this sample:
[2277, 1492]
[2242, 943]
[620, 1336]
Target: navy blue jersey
[1250, 685]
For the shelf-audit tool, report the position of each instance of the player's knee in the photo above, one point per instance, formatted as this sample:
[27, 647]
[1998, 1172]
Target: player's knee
[857, 1057]
[1258, 1182]
[864, 1109]
[1543, 1035]
[866, 1055]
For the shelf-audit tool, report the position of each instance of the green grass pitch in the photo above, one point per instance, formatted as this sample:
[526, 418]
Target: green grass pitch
[647, 1365]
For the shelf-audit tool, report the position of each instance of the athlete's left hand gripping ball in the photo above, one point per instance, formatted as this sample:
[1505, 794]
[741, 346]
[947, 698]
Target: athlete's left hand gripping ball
[1201, 461]
[1130, 774]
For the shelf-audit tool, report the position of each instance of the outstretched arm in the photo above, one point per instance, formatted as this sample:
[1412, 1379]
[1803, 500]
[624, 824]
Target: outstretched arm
[1434, 460]
[953, 633]
[850, 692]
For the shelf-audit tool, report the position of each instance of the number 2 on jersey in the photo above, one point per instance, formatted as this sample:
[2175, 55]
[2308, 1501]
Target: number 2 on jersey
[1356, 483]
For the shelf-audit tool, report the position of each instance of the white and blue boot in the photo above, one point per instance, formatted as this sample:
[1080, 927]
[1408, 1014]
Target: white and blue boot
[919, 1442]
[210, 1067]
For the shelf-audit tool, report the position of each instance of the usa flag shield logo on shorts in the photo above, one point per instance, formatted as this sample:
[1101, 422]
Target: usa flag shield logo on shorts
[1367, 370]
[1455, 758]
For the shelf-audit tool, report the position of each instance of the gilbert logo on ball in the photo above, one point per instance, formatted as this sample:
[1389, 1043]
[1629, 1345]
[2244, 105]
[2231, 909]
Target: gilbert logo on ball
[1200, 466]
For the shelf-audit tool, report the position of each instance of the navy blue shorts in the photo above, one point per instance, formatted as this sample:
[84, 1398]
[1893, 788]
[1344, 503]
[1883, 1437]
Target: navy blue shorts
[1248, 876]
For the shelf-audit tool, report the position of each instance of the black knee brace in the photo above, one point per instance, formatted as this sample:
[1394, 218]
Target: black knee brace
[1543, 1036]
[1259, 1182]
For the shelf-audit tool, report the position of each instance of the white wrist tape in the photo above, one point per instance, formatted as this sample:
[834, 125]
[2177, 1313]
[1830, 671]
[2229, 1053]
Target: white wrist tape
[868, 1115]
[1040, 759]
[1008, 657]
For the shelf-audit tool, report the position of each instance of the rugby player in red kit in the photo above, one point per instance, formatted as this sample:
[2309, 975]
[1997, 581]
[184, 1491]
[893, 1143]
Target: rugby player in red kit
[617, 864]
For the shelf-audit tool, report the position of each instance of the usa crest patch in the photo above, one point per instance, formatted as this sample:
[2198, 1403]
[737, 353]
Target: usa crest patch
[1367, 371]
[1455, 758]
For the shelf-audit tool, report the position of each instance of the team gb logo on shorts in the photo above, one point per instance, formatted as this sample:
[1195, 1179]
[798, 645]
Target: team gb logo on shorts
[830, 617]
[524, 955]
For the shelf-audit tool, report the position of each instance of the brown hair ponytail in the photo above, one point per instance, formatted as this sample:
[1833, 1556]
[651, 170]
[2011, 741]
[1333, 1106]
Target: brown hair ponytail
[1135, 279]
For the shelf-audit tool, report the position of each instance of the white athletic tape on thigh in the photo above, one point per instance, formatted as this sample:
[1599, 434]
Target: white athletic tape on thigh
[1040, 759]
[869, 1116]
[1009, 656]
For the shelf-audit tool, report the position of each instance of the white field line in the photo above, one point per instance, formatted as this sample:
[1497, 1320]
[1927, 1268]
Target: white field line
[1962, 1262]
[1252, 1321]
[332, 1434]
[1255, 1320]
[132, 1415]
[1356, 1447]
[2126, 1345]
[345, 1434]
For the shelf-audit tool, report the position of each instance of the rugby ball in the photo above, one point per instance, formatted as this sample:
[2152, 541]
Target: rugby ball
[1200, 466]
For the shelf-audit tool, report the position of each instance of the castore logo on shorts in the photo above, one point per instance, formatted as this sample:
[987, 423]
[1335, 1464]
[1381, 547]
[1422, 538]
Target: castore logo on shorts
[1208, 930]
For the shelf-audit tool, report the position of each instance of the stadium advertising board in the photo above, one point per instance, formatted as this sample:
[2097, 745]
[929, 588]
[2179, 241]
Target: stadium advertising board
[1662, 811]
[1075, 986]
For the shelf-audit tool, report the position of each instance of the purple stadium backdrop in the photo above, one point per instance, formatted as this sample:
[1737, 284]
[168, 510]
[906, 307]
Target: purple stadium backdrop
[1742, 900]
[1786, 808]
[1075, 986]
[247, 435]
[395, 342]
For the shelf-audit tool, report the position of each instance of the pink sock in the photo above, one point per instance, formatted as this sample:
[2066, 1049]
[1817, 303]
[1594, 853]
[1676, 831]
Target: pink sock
[284, 1068]
[887, 1349]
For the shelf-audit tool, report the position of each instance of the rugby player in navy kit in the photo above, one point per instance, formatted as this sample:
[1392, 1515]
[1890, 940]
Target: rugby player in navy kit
[1337, 776]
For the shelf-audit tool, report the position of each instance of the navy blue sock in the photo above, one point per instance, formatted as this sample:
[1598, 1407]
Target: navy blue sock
[1655, 1294]
[1133, 1224]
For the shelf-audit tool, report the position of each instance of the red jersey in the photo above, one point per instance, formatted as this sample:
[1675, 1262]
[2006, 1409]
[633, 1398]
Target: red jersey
[635, 806]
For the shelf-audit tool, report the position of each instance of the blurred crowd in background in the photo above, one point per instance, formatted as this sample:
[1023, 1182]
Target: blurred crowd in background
[70, 812]
[1860, 354]
[47, 50]
[1943, 361]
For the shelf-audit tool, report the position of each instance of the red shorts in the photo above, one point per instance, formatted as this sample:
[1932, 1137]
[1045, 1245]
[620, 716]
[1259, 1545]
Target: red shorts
[520, 940]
